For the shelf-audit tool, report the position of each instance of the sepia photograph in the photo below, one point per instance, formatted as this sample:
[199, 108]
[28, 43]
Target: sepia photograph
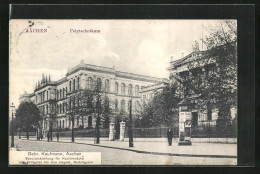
[123, 92]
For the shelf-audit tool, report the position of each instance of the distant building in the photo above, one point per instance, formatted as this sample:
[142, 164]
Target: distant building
[118, 86]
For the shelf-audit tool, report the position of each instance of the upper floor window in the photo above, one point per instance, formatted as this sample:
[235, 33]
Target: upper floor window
[107, 85]
[63, 92]
[60, 94]
[116, 88]
[78, 82]
[130, 89]
[99, 84]
[47, 95]
[74, 85]
[122, 88]
[136, 90]
[90, 82]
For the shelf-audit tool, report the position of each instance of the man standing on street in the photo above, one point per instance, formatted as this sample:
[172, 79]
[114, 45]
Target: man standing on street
[48, 136]
[170, 135]
[58, 136]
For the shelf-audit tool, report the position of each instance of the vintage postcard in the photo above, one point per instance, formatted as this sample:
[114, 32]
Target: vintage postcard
[122, 92]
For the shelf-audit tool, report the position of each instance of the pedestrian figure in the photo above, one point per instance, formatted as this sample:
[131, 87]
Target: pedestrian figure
[58, 136]
[48, 136]
[170, 135]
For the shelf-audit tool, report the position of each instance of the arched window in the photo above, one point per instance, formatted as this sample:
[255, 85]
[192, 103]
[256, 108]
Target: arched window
[136, 90]
[130, 89]
[122, 88]
[107, 85]
[99, 84]
[116, 88]
[90, 82]
[116, 104]
[122, 105]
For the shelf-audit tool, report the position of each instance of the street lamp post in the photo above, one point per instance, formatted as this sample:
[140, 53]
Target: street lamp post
[12, 129]
[130, 129]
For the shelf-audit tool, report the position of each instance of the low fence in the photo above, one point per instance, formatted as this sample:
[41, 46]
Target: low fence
[24, 133]
[83, 133]
[160, 132]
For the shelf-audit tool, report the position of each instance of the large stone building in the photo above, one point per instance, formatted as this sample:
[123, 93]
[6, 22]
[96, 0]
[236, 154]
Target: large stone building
[119, 86]
[180, 69]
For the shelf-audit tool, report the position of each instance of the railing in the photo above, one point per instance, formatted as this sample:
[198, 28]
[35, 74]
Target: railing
[83, 133]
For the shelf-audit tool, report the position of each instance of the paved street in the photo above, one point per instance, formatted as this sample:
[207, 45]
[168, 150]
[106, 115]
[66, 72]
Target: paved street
[123, 156]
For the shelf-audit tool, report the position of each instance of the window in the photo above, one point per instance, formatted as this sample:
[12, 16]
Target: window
[107, 85]
[77, 121]
[60, 109]
[47, 95]
[63, 92]
[116, 104]
[116, 88]
[62, 123]
[122, 105]
[63, 107]
[57, 109]
[78, 82]
[74, 84]
[60, 94]
[122, 88]
[136, 90]
[99, 84]
[130, 89]
[90, 83]
[70, 86]
[47, 109]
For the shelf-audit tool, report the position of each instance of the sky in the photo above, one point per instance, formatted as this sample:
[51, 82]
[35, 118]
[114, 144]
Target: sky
[136, 46]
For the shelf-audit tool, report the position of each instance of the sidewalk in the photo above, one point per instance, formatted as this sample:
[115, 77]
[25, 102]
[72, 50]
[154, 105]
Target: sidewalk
[216, 150]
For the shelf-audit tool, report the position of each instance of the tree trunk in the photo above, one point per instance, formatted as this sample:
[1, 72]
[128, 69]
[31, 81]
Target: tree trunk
[72, 130]
[97, 127]
[27, 135]
[51, 132]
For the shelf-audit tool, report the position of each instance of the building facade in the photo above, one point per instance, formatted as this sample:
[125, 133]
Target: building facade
[53, 96]
[180, 69]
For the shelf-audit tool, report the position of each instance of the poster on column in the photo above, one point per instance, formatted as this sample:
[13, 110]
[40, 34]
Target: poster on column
[89, 84]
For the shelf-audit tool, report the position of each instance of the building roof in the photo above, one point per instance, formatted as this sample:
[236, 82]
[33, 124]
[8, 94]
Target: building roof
[120, 74]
